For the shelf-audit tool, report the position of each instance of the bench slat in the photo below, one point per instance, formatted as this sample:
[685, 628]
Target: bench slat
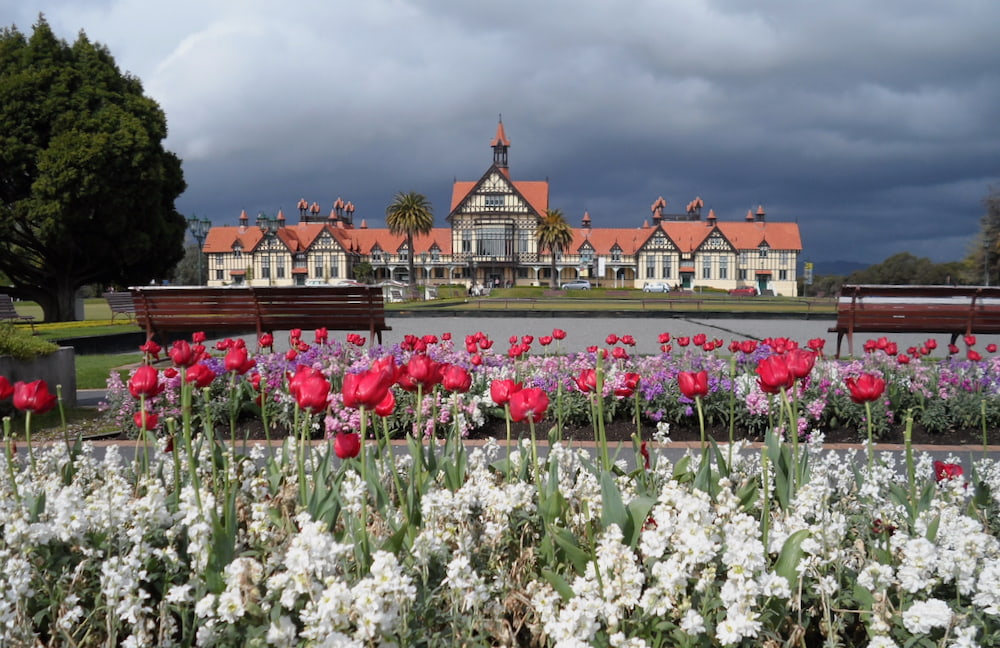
[953, 310]
[246, 309]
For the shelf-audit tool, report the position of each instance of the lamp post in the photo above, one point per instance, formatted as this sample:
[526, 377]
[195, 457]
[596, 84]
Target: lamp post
[199, 230]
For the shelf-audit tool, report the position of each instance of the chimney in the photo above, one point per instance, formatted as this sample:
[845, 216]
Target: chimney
[760, 214]
[586, 220]
[711, 217]
[244, 221]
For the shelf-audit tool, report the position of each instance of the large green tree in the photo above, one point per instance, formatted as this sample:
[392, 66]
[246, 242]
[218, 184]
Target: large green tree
[553, 234]
[410, 214]
[87, 189]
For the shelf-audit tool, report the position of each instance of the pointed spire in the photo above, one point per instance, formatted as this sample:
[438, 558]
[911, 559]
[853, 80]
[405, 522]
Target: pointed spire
[500, 145]
[760, 213]
[586, 220]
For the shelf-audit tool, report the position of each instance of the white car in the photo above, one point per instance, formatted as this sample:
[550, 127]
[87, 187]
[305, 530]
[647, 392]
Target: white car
[656, 286]
[576, 284]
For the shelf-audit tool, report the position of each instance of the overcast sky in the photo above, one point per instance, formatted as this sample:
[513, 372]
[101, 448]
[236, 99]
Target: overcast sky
[874, 125]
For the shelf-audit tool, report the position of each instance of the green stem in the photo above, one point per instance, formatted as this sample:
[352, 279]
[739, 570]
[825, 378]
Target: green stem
[911, 474]
[9, 446]
[871, 434]
[765, 515]
[27, 438]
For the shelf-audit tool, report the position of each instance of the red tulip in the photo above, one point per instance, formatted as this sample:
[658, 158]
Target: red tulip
[683, 341]
[295, 335]
[627, 340]
[146, 420]
[816, 344]
[152, 349]
[559, 334]
[145, 382]
[991, 348]
[33, 397]
[170, 372]
[238, 360]
[699, 339]
[891, 349]
[644, 452]
[182, 354]
[446, 336]
[347, 445]
[322, 335]
[529, 404]
[388, 404]
[973, 355]
[456, 379]
[6, 389]
[748, 346]
[619, 353]
[424, 371]
[502, 390]
[630, 382]
[800, 363]
[199, 337]
[693, 383]
[587, 380]
[367, 389]
[945, 471]
[903, 359]
[310, 389]
[734, 346]
[970, 340]
[931, 343]
[664, 338]
[773, 374]
[612, 339]
[200, 375]
[266, 341]
[866, 387]
[545, 340]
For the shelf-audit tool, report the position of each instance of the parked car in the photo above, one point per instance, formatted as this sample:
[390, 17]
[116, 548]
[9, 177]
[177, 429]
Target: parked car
[656, 286]
[576, 284]
[745, 290]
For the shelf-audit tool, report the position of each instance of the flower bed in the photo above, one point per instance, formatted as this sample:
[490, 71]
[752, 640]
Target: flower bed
[198, 542]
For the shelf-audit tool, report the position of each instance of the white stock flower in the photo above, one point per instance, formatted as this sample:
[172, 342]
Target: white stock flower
[923, 616]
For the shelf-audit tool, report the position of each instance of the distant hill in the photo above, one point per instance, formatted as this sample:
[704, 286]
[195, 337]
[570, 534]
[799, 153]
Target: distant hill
[843, 268]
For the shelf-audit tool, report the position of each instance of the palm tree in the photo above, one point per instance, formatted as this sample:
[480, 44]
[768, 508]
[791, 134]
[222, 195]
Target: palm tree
[553, 234]
[410, 214]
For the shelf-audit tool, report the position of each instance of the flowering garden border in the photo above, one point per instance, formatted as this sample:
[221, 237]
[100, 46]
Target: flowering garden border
[200, 542]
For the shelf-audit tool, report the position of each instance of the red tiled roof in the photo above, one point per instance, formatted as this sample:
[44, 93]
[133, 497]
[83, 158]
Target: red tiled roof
[536, 192]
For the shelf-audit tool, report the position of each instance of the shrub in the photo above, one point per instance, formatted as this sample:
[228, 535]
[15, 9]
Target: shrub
[16, 343]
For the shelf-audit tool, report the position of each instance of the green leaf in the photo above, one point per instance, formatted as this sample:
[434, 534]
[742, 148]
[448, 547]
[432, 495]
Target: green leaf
[791, 554]
[558, 583]
[612, 507]
[571, 548]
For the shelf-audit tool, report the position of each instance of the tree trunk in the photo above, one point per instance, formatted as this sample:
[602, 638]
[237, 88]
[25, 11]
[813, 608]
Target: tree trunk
[59, 305]
[553, 283]
[409, 260]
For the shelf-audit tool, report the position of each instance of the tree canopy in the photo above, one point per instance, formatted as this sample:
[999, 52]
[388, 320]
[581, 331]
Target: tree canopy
[553, 234]
[87, 189]
[410, 214]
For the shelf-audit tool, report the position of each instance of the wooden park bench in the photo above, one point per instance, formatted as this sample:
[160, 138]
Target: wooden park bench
[232, 310]
[952, 310]
[120, 303]
[9, 314]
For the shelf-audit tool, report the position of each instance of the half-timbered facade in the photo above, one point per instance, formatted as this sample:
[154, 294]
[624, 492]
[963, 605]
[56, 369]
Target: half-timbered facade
[490, 240]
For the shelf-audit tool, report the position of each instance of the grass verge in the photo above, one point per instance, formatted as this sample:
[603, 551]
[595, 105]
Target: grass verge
[92, 371]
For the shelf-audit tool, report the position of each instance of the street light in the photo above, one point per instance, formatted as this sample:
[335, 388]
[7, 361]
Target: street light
[199, 230]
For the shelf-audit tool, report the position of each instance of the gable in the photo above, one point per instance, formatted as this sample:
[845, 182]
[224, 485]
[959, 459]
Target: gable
[496, 194]
[715, 242]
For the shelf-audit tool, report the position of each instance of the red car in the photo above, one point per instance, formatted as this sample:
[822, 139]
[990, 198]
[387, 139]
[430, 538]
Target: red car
[746, 290]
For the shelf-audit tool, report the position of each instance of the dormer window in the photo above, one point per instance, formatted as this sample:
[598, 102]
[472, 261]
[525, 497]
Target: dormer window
[616, 254]
[493, 200]
[376, 254]
[435, 254]
[762, 250]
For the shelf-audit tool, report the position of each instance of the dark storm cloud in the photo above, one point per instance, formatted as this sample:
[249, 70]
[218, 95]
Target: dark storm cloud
[873, 125]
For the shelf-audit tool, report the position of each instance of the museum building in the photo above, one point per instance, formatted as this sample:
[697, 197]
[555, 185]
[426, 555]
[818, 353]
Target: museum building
[490, 240]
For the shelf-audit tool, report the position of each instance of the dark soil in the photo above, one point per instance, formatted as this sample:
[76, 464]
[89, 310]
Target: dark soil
[621, 432]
